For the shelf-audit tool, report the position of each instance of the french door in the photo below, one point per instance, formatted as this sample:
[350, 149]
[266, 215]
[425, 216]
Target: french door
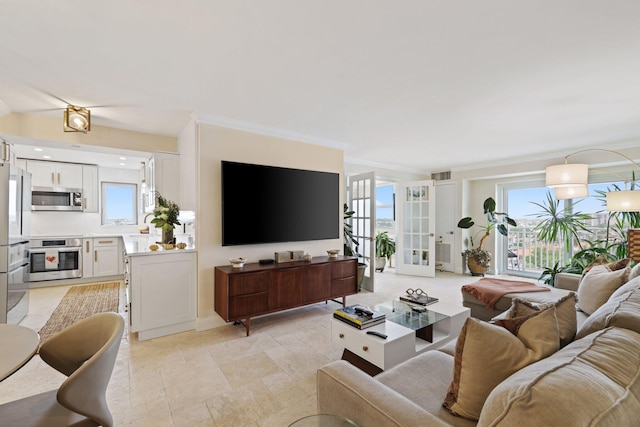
[416, 237]
[362, 193]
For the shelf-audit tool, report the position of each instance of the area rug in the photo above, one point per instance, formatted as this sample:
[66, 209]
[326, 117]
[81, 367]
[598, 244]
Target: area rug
[79, 303]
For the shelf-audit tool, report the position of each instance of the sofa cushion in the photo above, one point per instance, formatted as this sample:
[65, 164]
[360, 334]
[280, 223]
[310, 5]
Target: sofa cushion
[622, 310]
[424, 380]
[565, 312]
[597, 286]
[592, 381]
[486, 354]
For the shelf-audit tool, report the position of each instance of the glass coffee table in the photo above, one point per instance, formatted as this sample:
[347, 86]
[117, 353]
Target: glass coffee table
[413, 316]
[409, 330]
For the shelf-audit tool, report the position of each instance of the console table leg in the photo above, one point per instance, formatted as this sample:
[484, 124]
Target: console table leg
[247, 324]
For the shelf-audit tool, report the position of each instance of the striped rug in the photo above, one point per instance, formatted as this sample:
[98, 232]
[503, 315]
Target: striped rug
[81, 302]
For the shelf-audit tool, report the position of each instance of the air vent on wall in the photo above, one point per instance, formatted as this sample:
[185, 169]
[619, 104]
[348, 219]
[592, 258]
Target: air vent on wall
[441, 176]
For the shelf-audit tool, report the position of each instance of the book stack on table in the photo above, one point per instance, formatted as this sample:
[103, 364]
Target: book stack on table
[423, 300]
[359, 316]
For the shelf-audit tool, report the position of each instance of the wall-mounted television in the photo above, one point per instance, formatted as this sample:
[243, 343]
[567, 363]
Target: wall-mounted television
[269, 204]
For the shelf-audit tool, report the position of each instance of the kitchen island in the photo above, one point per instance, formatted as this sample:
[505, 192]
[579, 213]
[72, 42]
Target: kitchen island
[161, 287]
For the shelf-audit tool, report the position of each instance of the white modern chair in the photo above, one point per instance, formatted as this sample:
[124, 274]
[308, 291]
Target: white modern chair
[86, 352]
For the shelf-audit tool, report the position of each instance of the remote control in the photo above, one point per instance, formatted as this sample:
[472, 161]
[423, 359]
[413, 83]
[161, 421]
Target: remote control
[378, 334]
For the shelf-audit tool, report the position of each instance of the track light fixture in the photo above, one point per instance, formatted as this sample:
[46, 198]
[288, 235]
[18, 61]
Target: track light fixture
[77, 119]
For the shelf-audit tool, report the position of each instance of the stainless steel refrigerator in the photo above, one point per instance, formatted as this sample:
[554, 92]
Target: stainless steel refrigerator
[15, 223]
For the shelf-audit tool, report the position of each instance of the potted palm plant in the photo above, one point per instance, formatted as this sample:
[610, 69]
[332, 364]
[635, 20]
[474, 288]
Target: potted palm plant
[385, 247]
[478, 259]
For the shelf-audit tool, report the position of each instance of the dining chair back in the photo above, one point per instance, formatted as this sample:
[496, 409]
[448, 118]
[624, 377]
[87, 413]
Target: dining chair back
[86, 353]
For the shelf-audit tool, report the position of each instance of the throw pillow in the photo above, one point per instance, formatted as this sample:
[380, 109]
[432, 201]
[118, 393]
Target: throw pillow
[612, 265]
[635, 271]
[565, 312]
[486, 354]
[597, 286]
[621, 310]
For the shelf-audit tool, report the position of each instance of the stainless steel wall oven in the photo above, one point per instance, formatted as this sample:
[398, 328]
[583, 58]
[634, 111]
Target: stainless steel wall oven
[55, 258]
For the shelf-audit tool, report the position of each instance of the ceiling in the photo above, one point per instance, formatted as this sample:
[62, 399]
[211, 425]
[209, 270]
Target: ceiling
[418, 85]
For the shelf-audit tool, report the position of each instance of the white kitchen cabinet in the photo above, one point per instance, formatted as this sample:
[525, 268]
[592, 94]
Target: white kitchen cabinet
[90, 191]
[101, 256]
[87, 257]
[163, 176]
[162, 292]
[55, 174]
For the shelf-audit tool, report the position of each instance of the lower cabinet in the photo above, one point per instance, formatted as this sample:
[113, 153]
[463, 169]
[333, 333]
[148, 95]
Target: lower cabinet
[162, 292]
[101, 256]
[242, 293]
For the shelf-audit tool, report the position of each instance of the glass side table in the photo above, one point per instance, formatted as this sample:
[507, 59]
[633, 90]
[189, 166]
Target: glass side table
[412, 316]
[323, 420]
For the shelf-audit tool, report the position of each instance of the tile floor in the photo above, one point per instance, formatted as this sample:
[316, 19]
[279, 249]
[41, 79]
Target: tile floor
[220, 377]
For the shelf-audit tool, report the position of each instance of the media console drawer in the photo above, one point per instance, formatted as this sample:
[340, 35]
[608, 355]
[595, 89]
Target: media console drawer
[255, 289]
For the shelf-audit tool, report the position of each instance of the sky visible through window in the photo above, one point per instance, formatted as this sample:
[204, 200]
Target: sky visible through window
[520, 206]
[384, 202]
[118, 202]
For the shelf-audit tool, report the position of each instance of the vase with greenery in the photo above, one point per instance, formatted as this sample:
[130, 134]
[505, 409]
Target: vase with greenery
[385, 248]
[350, 244]
[479, 259]
[165, 217]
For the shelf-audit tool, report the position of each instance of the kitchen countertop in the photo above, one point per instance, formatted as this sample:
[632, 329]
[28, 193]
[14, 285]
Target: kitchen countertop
[138, 244]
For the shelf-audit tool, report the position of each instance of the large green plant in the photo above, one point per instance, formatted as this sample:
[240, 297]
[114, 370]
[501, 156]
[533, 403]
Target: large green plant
[559, 224]
[497, 220]
[385, 245]
[350, 243]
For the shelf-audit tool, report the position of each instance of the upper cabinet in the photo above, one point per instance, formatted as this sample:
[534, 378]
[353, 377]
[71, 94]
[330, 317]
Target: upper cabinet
[90, 191]
[61, 175]
[162, 176]
[55, 174]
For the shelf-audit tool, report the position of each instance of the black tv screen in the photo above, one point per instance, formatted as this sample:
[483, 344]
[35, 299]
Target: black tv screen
[268, 204]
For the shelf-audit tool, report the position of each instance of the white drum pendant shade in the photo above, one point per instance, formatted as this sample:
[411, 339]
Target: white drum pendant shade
[571, 192]
[569, 174]
[623, 201]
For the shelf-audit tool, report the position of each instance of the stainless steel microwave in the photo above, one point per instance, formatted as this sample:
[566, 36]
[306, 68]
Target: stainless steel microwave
[56, 199]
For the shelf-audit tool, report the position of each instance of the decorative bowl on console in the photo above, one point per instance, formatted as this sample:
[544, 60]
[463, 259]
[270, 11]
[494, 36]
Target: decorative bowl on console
[333, 253]
[237, 262]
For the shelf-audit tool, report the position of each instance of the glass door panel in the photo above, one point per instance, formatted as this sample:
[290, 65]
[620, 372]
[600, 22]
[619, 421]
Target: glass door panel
[417, 240]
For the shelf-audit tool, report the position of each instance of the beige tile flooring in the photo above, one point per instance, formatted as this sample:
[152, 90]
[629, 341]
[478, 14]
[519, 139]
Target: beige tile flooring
[220, 377]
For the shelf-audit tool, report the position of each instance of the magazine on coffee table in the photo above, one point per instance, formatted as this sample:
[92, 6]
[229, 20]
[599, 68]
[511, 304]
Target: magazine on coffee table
[359, 316]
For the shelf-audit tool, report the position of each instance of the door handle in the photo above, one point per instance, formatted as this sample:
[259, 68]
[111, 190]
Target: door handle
[6, 152]
[95, 256]
[87, 244]
[53, 179]
[58, 178]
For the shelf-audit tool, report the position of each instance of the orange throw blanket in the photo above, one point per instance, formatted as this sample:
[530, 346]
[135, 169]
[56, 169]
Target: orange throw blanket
[489, 291]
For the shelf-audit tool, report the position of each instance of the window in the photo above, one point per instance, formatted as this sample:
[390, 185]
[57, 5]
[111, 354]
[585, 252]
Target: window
[385, 218]
[119, 203]
[526, 254]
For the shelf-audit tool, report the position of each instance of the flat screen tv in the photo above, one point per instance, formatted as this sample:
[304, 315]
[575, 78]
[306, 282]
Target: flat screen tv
[268, 204]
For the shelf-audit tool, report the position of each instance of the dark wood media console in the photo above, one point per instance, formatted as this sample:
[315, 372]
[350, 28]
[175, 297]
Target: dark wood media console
[255, 289]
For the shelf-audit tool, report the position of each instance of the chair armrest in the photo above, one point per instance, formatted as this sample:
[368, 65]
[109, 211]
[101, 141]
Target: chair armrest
[345, 390]
[568, 281]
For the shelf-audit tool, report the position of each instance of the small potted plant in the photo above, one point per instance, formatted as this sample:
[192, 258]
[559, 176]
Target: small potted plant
[165, 216]
[385, 247]
[478, 259]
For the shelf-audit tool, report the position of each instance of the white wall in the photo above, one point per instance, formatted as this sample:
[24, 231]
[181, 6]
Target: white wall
[216, 144]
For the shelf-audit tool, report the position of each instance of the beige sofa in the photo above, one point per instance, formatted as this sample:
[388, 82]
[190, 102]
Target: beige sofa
[594, 380]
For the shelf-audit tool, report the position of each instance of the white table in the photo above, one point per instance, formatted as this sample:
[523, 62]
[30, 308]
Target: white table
[373, 354]
[18, 344]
